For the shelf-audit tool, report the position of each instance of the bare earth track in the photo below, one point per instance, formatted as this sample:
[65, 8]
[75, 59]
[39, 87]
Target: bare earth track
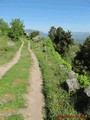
[4, 68]
[35, 98]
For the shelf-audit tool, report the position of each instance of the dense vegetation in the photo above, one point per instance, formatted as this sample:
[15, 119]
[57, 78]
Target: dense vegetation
[81, 61]
[3, 27]
[34, 34]
[61, 39]
[14, 30]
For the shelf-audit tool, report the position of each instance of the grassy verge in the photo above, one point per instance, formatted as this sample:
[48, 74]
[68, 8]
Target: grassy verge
[54, 74]
[13, 85]
[8, 48]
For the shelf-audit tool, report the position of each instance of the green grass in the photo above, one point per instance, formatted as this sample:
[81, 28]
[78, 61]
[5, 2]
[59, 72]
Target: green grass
[71, 53]
[13, 86]
[15, 117]
[58, 101]
[7, 52]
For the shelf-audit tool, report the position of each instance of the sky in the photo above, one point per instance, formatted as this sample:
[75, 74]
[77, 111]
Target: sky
[73, 15]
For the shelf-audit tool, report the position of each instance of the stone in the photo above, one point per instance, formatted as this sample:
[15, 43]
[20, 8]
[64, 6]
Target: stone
[10, 44]
[87, 91]
[36, 38]
[72, 84]
[71, 74]
[62, 66]
[44, 49]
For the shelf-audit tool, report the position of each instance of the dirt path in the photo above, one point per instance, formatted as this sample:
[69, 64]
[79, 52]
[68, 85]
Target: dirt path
[4, 68]
[35, 99]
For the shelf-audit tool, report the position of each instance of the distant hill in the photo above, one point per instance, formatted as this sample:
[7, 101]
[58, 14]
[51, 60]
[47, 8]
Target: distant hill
[80, 36]
[41, 33]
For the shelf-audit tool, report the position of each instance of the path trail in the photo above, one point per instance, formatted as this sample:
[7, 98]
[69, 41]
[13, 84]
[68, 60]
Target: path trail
[4, 68]
[35, 98]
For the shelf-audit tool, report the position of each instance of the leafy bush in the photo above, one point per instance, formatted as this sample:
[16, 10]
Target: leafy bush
[3, 27]
[61, 39]
[34, 34]
[84, 80]
[81, 62]
[16, 30]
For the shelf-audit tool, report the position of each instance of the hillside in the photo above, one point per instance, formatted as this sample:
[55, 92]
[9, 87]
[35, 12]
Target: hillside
[41, 33]
[79, 37]
[54, 71]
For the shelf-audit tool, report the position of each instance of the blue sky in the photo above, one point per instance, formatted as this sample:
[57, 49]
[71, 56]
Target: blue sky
[73, 15]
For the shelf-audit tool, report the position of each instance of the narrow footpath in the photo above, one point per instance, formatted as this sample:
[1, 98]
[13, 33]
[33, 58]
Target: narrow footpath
[34, 98]
[4, 68]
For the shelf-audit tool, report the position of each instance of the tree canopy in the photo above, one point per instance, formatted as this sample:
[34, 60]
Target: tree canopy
[62, 40]
[34, 34]
[16, 29]
[81, 61]
[52, 33]
[4, 26]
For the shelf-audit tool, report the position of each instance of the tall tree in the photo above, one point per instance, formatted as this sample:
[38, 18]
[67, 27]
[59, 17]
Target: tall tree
[3, 26]
[52, 33]
[34, 34]
[16, 29]
[81, 62]
[62, 40]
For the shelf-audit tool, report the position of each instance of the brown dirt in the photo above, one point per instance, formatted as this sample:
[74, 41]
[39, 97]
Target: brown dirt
[4, 68]
[35, 98]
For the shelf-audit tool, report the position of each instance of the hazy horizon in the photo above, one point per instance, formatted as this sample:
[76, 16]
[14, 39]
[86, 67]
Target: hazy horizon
[41, 15]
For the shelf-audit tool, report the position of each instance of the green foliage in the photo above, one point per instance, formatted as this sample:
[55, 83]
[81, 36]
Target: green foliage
[49, 44]
[3, 27]
[15, 117]
[81, 62]
[52, 33]
[83, 79]
[16, 30]
[69, 56]
[61, 39]
[34, 34]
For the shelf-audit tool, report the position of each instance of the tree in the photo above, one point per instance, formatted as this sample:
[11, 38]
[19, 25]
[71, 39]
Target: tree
[34, 34]
[16, 30]
[81, 62]
[62, 40]
[3, 26]
[52, 33]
